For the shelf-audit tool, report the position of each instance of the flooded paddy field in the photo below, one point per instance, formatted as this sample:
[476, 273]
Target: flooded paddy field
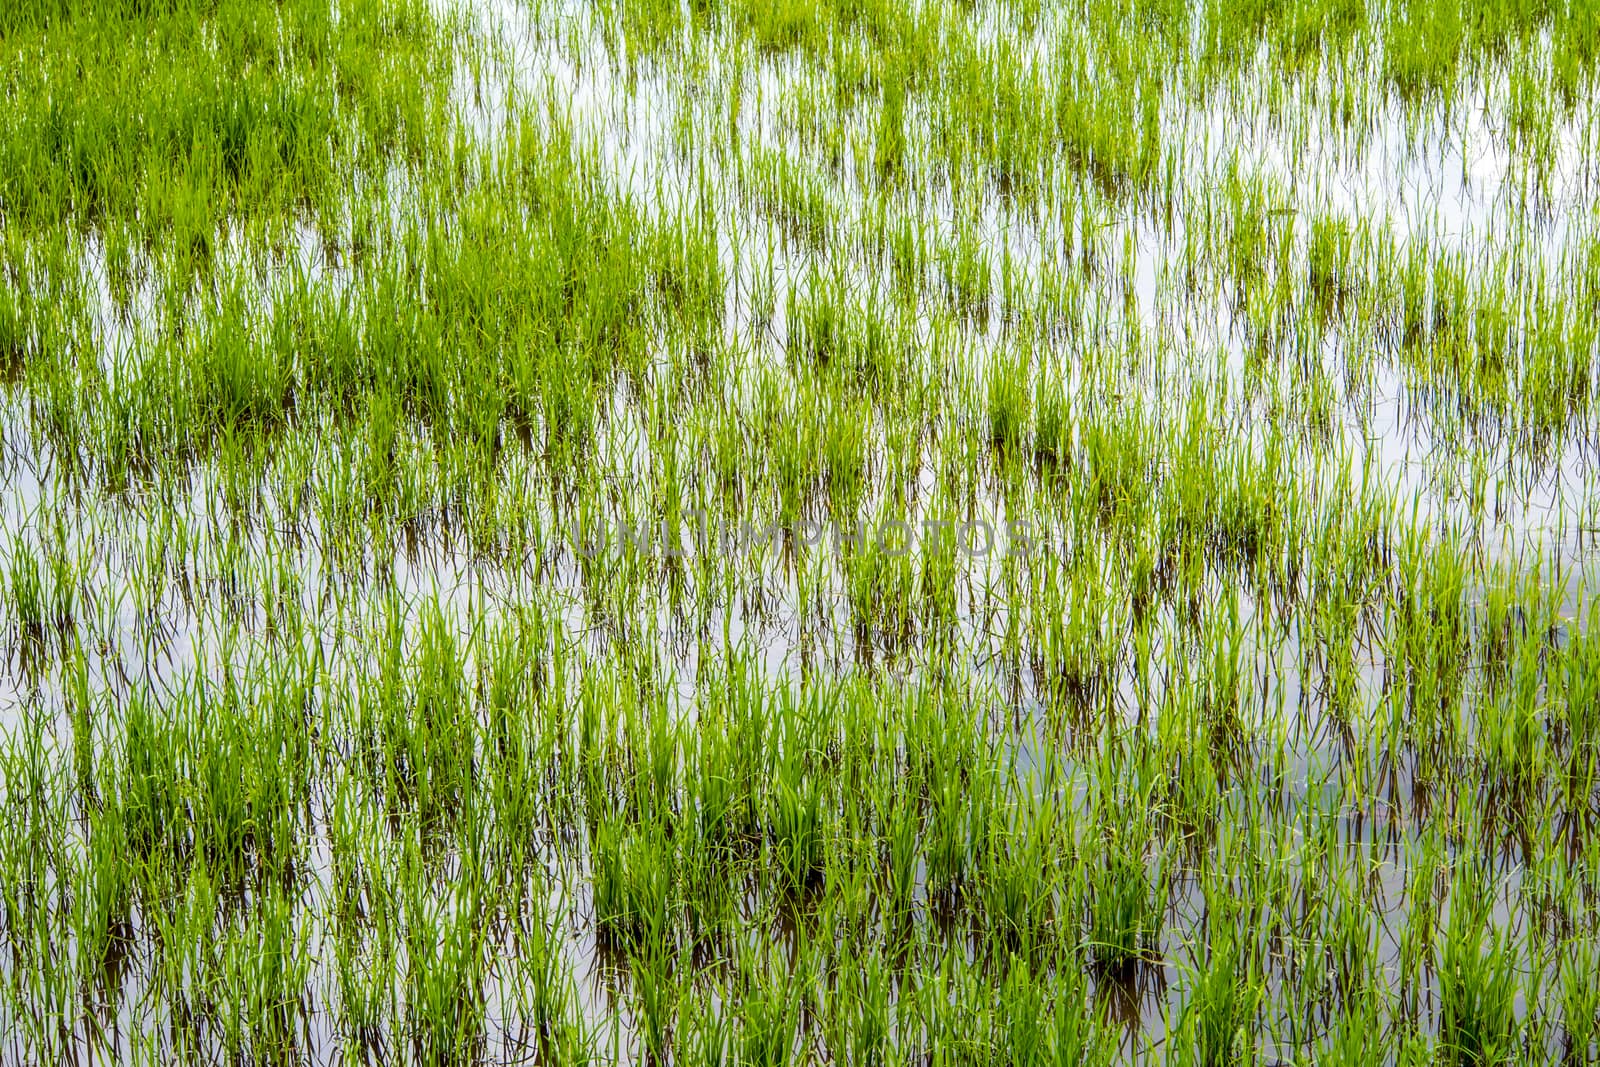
[799, 533]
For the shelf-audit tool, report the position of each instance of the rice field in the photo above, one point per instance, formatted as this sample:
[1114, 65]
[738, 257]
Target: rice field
[799, 532]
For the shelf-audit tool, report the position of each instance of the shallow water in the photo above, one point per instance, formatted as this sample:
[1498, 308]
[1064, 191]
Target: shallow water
[244, 588]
